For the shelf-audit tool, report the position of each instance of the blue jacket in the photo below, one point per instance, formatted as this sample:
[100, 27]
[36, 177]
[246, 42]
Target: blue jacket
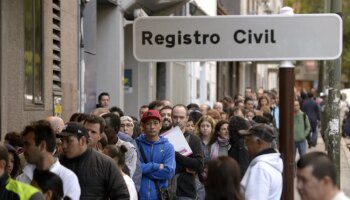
[159, 152]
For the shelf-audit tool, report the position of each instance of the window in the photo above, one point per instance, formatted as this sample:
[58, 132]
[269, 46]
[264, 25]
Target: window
[33, 87]
[208, 91]
[198, 88]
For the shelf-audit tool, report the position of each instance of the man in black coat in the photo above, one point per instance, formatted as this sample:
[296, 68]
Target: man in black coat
[187, 167]
[312, 111]
[98, 175]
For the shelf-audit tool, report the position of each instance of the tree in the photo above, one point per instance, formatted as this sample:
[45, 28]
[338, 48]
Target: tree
[312, 6]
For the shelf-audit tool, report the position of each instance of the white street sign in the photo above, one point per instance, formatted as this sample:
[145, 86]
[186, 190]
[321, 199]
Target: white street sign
[238, 38]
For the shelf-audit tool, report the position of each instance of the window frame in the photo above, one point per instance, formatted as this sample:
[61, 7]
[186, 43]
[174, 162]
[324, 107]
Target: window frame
[35, 104]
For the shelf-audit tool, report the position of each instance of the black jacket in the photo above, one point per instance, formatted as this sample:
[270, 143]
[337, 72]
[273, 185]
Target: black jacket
[186, 185]
[98, 175]
[240, 154]
[312, 110]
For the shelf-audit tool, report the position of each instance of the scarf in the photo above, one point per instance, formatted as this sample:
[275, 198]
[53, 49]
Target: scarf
[214, 153]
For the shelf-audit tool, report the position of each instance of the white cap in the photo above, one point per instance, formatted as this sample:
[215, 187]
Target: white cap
[286, 11]
[286, 64]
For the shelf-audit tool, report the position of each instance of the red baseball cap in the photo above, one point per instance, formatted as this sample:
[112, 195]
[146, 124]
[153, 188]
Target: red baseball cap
[150, 114]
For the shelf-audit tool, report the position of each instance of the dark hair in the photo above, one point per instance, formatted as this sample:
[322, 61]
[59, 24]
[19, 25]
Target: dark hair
[47, 180]
[112, 120]
[166, 108]
[74, 117]
[137, 129]
[236, 124]
[102, 94]
[192, 105]
[273, 95]
[43, 132]
[112, 127]
[103, 141]
[117, 152]
[4, 155]
[16, 163]
[269, 117]
[82, 117]
[93, 119]
[310, 95]
[144, 106]
[238, 102]
[154, 104]
[261, 119]
[217, 130]
[223, 180]
[118, 110]
[247, 99]
[229, 99]
[234, 110]
[194, 116]
[321, 164]
[14, 139]
[303, 95]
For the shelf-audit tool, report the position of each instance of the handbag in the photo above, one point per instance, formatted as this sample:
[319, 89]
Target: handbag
[163, 193]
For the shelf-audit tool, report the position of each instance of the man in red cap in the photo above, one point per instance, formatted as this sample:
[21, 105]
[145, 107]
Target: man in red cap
[157, 156]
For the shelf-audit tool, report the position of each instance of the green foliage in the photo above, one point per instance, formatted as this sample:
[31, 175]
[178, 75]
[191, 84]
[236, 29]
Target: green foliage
[318, 6]
[346, 38]
[305, 6]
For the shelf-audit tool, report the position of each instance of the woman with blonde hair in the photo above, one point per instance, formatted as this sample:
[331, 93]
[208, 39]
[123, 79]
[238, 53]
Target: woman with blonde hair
[205, 130]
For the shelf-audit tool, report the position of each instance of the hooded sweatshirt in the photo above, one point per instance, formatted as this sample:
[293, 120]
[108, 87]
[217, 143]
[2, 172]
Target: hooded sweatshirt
[263, 179]
[156, 153]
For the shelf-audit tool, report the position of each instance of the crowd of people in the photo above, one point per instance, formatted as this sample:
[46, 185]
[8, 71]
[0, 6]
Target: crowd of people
[109, 155]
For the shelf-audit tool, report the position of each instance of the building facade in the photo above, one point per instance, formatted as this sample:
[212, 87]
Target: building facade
[108, 63]
[38, 61]
[234, 77]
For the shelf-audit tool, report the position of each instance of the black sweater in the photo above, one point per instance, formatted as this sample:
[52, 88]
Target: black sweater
[186, 186]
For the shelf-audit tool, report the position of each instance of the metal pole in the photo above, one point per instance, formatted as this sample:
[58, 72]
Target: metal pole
[333, 125]
[286, 136]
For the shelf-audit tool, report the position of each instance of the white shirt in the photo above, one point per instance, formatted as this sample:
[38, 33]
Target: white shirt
[71, 187]
[340, 196]
[131, 187]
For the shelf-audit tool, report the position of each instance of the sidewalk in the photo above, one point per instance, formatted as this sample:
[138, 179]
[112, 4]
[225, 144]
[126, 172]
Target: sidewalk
[344, 164]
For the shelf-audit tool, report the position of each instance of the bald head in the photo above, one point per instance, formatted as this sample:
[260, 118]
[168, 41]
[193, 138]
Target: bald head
[56, 123]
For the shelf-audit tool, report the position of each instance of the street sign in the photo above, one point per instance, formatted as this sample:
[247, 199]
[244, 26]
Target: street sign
[238, 38]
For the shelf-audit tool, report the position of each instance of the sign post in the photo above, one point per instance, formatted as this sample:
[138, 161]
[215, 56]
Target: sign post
[238, 38]
[246, 38]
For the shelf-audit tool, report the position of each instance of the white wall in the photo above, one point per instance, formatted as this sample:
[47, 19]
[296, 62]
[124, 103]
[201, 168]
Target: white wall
[110, 53]
[143, 79]
[208, 6]
[202, 75]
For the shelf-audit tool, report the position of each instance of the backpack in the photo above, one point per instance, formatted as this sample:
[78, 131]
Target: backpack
[308, 135]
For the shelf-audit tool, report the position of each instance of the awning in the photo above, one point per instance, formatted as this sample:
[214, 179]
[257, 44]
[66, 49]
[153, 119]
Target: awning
[152, 7]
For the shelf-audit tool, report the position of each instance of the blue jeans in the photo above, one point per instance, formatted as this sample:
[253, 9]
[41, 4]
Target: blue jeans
[301, 146]
[313, 137]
